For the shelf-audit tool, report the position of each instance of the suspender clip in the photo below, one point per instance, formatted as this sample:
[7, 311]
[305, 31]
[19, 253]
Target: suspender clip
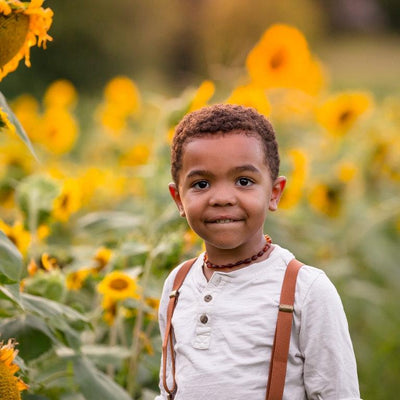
[286, 308]
[174, 293]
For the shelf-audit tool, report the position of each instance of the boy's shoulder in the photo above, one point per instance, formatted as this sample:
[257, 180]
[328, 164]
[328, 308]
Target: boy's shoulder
[282, 258]
[172, 275]
[308, 277]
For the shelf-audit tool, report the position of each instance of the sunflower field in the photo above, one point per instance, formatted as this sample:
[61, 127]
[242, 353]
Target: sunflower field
[88, 232]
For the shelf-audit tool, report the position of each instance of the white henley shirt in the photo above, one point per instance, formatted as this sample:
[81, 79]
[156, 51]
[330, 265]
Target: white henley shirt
[224, 331]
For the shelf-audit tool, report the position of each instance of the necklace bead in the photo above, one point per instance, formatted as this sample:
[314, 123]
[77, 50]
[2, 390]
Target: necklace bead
[249, 260]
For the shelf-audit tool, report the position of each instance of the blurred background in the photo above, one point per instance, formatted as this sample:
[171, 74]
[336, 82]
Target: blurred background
[94, 228]
[167, 45]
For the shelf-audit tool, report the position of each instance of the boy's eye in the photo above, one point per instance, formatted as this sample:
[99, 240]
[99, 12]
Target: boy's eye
[201, 185]
[244, 182]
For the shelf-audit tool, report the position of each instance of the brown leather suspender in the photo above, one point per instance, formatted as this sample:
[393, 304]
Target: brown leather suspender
[168, 336]
[280, 349]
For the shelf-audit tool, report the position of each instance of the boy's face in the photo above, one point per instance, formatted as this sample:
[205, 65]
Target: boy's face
[225, 191]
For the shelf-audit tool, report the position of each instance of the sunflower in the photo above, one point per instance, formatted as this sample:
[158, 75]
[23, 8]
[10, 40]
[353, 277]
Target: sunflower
[250, 96]
[14, 156]
[340, 112]
[76, 279]
[118, 286]
[89, 181]
[10, 385]
[69, 201]
[291, 105]
[110, 308]
[347, 171]
[137, 155]
[5, 123]
[101, 258]
[17, 234]
[49, 263]
[26, 109]
[32, 267]
[121, 100]
[154, 304]
[59, 130]
[60, 94]
[280, 59]
[326, 199]
[202, 96]
[23, 25]
[293, 193]
[122, 93]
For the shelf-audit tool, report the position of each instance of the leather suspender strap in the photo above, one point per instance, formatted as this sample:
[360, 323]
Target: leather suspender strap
[168, 337]
[280, 349]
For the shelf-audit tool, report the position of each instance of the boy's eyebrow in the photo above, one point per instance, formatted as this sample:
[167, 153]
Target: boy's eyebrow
[241, 168]
[199, 172]
[247, 167]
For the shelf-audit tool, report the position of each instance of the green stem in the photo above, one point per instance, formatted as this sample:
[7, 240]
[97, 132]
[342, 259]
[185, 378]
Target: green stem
[113, 341]
[137, 329]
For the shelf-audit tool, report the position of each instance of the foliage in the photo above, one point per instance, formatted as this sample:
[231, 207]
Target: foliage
[93, 218]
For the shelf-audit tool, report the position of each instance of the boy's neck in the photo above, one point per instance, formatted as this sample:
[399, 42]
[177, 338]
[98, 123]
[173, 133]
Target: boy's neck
[208, 272]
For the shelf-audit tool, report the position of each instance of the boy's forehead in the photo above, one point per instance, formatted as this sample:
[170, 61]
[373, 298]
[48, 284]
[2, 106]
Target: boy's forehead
[223, 150]
[219, 134]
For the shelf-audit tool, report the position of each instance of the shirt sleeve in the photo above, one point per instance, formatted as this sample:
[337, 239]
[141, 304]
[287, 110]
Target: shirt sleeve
[330, 371]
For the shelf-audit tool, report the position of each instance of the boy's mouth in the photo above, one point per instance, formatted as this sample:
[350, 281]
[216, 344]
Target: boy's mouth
[222, 221]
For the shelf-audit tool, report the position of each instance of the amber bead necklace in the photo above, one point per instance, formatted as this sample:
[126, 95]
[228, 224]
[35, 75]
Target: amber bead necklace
[249, 260]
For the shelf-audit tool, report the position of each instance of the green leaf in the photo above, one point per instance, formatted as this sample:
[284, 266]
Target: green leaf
[10, 261]
[11, 292]
[94, 384]
[18, 127]
[133, 248]
[106, 355]
[50, 285]
[109, 221]
[33, 336]
[50, 309]
[64, 321]
[35, 196]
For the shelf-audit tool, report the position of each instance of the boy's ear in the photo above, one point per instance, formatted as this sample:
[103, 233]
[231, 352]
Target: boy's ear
[173, 189]
[277, 190]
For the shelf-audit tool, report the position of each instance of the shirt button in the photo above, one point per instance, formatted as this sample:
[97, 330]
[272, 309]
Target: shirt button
[203, 319]
[207, 298]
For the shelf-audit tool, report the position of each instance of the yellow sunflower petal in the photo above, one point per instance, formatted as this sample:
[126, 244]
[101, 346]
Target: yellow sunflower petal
[251, 96]
[280, 59]
[340, 112]
[202, 95]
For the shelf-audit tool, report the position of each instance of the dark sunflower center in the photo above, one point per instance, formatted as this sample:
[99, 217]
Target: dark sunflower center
[118, 284]
[345, 116]
[8, 383]
[13, 31]
[277, 59]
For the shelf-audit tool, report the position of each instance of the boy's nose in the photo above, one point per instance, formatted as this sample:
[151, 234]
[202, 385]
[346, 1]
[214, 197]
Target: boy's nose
[223, 197]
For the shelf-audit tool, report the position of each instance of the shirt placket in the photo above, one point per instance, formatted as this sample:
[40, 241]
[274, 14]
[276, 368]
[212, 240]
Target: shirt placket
[205, 312]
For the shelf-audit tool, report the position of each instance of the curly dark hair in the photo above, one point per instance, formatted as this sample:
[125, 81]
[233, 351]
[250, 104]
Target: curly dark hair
[224, 119]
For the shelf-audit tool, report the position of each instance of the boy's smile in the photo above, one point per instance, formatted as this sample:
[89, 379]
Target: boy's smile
[225, 191]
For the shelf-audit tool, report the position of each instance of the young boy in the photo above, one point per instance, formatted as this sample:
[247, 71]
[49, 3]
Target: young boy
[225, 168]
